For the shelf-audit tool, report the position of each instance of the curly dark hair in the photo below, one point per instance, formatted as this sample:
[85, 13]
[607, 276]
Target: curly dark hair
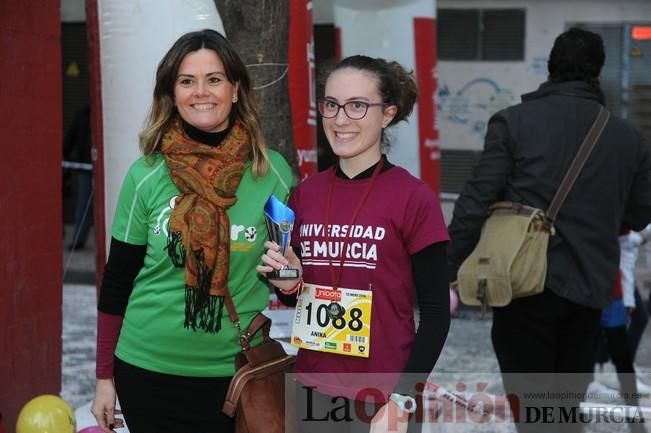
[397, 85]
[577, 55]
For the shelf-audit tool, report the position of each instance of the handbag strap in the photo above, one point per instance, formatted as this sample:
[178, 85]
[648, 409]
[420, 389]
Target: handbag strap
[260, 321]
[230, 306]
[577, 164]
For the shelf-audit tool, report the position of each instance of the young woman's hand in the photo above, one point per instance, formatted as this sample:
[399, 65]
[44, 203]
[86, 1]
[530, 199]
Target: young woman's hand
[103, 407]
[273, 259]
[390, 419]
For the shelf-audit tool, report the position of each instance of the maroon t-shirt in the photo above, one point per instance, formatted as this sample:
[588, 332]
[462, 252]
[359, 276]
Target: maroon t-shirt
[400, 216]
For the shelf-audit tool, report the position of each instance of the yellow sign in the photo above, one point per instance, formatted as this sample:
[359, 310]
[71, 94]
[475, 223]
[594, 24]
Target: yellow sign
[72, 70]
[636, 52]
[317, 326]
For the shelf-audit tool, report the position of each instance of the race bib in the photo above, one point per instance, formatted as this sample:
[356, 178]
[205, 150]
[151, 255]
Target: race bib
[320, 323]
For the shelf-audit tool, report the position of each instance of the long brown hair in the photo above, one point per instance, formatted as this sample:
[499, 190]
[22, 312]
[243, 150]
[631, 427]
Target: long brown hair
[163, 111]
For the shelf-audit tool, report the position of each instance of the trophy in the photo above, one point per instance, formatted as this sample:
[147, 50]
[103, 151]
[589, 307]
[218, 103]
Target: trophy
[280, 221]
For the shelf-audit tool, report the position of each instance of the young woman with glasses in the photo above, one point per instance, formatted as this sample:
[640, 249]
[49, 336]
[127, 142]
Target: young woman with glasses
[368, 230]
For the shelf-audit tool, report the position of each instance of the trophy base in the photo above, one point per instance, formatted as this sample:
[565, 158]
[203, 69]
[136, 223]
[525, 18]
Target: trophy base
[283, 274]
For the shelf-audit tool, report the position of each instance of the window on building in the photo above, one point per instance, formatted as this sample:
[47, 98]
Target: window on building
[481, 34]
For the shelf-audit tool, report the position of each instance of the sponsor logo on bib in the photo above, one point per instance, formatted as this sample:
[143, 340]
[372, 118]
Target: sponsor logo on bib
[328, 294]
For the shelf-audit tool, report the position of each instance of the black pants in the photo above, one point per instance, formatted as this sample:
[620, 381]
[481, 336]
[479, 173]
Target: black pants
[161, 403]
[619, 353]
[538, 340]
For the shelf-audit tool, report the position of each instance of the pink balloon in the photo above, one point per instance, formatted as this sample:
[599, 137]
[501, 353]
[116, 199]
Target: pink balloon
[454, 301]
[91, 429]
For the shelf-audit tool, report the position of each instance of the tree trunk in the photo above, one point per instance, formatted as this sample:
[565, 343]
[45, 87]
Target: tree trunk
[259, 30]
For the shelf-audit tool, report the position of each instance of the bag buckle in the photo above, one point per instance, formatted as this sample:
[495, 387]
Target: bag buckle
[549, 226]
[244, 336]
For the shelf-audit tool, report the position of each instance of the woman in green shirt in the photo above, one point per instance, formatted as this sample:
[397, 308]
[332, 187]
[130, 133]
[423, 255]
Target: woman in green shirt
[185, 232]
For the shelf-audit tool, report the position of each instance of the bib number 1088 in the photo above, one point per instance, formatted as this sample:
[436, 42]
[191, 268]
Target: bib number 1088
[323, 318]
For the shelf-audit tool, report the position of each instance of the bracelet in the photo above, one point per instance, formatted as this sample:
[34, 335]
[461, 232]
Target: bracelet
[296, 289]
[405, 403]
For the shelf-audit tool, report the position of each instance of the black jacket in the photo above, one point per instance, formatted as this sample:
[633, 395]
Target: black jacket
[528, 149]
[78, 141]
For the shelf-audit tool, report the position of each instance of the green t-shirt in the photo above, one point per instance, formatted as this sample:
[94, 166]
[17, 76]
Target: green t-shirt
[152, 335]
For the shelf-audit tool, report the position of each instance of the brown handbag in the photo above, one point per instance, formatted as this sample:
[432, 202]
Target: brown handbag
[256, 394]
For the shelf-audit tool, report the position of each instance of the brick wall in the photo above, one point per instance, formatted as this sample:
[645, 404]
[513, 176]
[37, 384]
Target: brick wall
[30, 203]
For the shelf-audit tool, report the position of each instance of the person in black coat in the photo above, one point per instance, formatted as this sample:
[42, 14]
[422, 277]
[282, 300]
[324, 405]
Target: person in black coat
[77, 155]
[528, 149]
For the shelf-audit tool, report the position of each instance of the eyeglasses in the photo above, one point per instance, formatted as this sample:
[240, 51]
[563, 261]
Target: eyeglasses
[355, 110]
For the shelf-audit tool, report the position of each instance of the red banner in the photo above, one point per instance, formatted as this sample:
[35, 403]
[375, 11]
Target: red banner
[97, 126]
[301, 85]
[428, 135]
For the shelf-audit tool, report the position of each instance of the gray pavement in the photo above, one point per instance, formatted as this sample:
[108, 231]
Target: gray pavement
[467, 355]
[79, 318]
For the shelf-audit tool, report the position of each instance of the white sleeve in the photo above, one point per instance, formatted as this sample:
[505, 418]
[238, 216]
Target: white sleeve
[629, 245]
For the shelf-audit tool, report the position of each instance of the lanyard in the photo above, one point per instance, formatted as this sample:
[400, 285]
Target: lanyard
[335, 274]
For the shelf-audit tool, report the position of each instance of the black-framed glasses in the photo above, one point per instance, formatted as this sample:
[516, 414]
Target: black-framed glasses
[355, 110]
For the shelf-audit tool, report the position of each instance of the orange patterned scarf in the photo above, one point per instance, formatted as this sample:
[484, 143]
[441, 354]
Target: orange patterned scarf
[199, 234]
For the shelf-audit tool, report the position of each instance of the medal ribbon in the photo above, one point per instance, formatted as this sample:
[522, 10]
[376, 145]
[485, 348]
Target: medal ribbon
[335, 274]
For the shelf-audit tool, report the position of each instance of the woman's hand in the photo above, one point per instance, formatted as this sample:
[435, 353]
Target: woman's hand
[273, 259]
[390, 419]
[103, 407]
